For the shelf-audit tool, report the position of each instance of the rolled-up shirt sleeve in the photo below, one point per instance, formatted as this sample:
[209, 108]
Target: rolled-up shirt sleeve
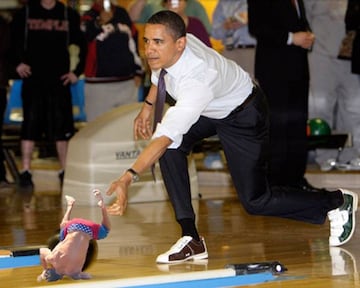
[191, 102]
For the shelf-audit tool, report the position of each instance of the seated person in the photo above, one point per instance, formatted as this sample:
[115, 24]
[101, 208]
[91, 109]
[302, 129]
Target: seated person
[69, 255]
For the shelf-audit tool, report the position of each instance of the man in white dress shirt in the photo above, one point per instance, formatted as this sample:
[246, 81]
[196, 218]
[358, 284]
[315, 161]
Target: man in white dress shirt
[215, 96]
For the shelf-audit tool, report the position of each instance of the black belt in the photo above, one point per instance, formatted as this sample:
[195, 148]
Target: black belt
[246, 101]
[107, 79]
[245, 46]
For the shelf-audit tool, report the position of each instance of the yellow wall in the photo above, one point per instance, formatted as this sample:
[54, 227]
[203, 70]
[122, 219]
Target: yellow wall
[209, 6]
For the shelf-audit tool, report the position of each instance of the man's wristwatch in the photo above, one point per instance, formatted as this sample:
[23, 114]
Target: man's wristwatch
[134, 175]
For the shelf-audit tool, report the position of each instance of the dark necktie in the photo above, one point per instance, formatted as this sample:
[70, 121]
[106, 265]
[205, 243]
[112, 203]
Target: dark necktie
[159, 107]
[160, 98]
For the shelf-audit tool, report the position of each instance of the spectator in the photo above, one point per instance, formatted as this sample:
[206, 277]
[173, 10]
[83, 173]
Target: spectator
[113, 67]
[4, 68]
[284, 38]
[230, 25]
[334, 90]
[42, 32]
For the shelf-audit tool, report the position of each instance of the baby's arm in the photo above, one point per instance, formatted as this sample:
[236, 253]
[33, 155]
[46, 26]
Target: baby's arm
[43, 253]
[81, 275]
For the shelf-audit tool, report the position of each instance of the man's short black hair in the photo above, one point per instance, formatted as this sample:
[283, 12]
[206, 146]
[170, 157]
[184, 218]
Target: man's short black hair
[171, 20]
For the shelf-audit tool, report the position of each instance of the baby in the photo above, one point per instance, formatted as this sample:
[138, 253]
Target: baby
[69, 255]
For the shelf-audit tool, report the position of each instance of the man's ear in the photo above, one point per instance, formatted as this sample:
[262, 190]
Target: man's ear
[181, 43]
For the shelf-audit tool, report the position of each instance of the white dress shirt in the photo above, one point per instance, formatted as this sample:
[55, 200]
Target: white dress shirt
[203, 83]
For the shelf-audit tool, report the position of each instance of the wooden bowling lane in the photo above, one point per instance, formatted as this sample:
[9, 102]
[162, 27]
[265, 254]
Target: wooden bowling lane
[147, 229]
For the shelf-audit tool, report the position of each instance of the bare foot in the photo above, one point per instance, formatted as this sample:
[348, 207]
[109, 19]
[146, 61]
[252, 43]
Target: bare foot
[99, 197]
[69, 200]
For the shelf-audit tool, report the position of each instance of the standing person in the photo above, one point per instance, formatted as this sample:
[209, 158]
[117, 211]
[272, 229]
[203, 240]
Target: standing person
[113, 66]
[281, 67]
[4, 66]
[334, 90]
[230, 25]
[42, 32]
[69, 256]
[214, 95]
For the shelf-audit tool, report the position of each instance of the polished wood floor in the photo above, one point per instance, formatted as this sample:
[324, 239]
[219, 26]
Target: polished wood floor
[147, 229]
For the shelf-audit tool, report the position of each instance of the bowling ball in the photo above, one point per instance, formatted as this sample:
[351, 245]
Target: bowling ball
[91, 254]
[317, 127]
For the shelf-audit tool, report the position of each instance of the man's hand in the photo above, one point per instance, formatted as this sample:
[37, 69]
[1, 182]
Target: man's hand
[23, 70]
[240, 19]
[303, 39]
[232, 24]
[120, 187]
[69, 78]
[142, 123]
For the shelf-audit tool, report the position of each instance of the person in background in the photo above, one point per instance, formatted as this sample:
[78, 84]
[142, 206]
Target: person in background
[193, 24]
[214, 96]
[284, 39]
[4, 82]
[230, 25]
[42, 32]
[141, 10]
[113, 70]
[334, 90]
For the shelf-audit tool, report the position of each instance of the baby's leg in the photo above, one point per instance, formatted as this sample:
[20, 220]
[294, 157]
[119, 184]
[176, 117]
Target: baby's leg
[99, 197]
[69, 200]
[69, 205]
[101, 204]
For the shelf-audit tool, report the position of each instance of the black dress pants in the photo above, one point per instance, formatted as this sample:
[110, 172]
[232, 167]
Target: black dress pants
[244, 137]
